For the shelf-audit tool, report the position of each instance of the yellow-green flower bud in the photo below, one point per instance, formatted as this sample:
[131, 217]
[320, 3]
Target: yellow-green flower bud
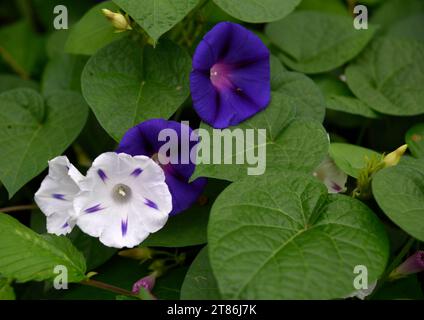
[118, 20]
[137, 253]
[393, 158]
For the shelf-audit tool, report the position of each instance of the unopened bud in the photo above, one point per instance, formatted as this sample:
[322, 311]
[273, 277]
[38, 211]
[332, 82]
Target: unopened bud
[137, 253]
[413, 264]
[393, 158]
[118, 20]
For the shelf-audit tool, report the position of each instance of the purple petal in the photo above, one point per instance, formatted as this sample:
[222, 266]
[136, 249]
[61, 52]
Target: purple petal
[151, 204]
[102, 175]
[137, 172]
[59, 196]
[65, 225]
[124, 227]
[147, 283]
[93, 209]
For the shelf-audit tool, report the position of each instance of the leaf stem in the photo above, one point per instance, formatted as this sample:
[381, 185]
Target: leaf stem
[107, 287]
[19, 208]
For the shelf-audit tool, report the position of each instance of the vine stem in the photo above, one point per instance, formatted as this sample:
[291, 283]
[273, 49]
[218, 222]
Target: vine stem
[107, 287]
[19, 208]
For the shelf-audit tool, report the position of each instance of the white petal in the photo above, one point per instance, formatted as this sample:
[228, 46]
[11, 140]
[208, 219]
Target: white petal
[123, 224]
[56, 194]
[331, 176]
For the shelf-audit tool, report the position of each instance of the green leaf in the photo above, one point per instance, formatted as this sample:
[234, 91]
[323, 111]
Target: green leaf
[415, 140]
[9, 82]
[408, 28]
[126, 83]
[399, 192]
[282, 236]
[327, 41]
[63, 73]
[34, 130]
[93, 31]
[199, 282]
[26, 255]
[388, 77]
[351, 159]
[6, 290]
[290, 143]
[56, 41]
[339, 98]
[299, 90]
[189, 227]
[21, 48]
[330, 6]
[157, 16]
[258, 11]
[395, 10]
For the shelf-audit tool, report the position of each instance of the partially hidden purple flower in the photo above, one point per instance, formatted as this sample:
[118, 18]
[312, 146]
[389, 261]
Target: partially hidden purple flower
[413, 264]
[143, 139]
[147, 283]
[230, 81]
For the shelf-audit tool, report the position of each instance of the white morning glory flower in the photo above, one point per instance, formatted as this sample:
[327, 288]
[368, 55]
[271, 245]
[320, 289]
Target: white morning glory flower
[123, 199]
[330, 174]
[56, 195]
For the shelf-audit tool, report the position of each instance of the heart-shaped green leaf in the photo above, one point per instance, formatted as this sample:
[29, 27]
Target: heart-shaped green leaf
[258, 11]
[34, 130]
[26, 255]
[126, 83]
[399, 192]
[282, 236]
[388, 77]
[157, 16]
[327, 40]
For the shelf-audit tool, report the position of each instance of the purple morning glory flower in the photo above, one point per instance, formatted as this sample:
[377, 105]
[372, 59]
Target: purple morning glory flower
[230, 81]
[143, 139]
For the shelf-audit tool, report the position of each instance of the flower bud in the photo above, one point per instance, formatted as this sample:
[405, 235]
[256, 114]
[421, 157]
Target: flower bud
[147, 283]
[118, 20]
[393, 158]
[143, 253]
[413, 264]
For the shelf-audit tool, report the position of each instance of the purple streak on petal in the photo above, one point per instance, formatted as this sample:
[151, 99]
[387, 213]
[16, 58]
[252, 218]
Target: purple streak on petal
[336, 187]
[94, 209]
[65, 225]
[151, 204]
[102, 175]
[59, 196]
[124, 227]
[231, 79]
[137, 172]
